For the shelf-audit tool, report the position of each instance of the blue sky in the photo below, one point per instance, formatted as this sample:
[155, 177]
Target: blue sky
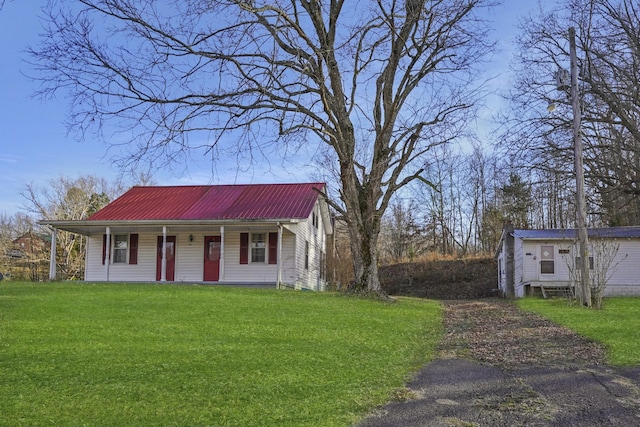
[35, 147]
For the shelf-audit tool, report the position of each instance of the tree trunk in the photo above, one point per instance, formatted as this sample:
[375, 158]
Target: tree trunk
[363, 221]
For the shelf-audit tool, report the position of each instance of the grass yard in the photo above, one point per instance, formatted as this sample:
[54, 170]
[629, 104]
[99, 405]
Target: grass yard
[130, 354]
[617, 325]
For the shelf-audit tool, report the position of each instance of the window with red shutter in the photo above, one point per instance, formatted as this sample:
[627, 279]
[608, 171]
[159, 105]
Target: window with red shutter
[244, 248]
[104, 248]
[133, 249]
[273, 248]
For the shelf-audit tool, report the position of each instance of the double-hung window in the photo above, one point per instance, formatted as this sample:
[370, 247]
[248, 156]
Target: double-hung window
[258, 247]
[120, 246]
[547, 259]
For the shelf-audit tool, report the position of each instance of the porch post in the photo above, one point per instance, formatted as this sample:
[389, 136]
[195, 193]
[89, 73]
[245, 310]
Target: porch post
[52, 260]
[279, 265]
[163, 268]
[221, 272]
[107, 252]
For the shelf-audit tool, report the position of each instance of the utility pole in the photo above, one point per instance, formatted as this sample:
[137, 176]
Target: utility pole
[584, 293]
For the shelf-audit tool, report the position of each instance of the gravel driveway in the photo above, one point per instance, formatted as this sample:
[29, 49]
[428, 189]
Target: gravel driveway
[500, 366]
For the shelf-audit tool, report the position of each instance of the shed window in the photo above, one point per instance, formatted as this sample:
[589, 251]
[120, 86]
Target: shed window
[547, 260]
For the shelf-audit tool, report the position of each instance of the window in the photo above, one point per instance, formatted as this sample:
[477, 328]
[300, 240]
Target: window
[306, 255]
[258, 248]
[314, 219]
[120, 245]
[547, 261]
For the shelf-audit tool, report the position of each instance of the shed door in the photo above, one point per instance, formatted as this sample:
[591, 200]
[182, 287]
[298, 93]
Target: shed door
[211, 258]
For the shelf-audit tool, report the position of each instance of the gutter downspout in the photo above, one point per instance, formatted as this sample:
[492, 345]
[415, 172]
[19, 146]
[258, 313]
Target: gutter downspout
[52, 258]
[279, 265]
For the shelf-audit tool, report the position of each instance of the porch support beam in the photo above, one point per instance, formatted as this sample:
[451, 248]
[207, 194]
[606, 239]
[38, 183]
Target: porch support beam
[163, 268]
[221, 271]
[107, 252]
[52, 260]
[279, 264]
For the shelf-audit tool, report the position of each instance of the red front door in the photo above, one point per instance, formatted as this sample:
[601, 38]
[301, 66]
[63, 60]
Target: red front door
[211, 258]
[171, 258]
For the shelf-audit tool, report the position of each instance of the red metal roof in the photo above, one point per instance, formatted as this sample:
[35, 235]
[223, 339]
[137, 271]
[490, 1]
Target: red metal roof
[213, 202]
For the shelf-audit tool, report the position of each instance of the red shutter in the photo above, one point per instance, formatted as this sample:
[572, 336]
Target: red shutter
[244, 248]
[273, 248]
[104, 248]
[133, 249]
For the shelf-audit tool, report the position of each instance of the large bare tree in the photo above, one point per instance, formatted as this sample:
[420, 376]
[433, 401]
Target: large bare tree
[378, 83]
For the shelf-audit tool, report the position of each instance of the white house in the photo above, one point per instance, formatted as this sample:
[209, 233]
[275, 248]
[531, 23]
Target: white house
[267, 235]
[532, 260]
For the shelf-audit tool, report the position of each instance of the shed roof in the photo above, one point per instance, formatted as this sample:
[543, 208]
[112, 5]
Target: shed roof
[572, 233]
[213, 202]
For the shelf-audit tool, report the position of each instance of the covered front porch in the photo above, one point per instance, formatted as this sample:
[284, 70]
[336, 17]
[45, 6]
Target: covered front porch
[222, 253]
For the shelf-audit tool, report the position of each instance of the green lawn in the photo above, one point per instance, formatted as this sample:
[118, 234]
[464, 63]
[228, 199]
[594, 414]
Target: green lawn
[617, 325]
[125, 354]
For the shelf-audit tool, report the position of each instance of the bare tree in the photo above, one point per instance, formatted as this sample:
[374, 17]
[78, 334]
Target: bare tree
[68, 199]
[605, 262]
[379, 83]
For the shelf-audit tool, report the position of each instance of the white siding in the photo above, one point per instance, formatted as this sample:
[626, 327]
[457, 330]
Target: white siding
[94, 270]
[625, 279]
[288, 261]
[531, 257]
[309, 278]
[190, 256]
[252, 272]
[144, 271]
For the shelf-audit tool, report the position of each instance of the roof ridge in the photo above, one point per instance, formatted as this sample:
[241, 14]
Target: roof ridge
[228, 185]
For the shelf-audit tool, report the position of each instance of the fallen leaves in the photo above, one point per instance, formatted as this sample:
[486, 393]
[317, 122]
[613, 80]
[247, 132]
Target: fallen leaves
[496, 331]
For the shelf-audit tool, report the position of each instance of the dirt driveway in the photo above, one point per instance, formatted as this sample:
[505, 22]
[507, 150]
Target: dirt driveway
[501, 366]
